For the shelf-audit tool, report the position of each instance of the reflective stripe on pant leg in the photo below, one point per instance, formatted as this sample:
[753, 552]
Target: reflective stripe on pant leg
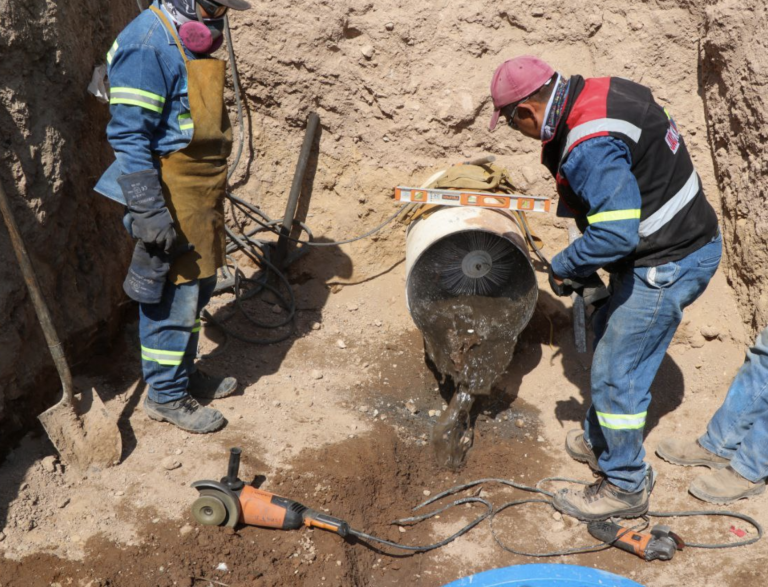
[165, 330]
[168, 358]
[621, 421]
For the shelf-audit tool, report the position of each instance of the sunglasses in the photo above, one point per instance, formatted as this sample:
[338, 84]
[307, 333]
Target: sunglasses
[213, 9]
[510, 114]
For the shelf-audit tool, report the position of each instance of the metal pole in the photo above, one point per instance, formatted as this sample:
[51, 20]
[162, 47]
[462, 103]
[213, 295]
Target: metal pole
[293, 199]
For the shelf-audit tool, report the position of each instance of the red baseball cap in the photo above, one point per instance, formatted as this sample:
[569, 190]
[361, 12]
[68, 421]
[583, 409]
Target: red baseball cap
[516, 79]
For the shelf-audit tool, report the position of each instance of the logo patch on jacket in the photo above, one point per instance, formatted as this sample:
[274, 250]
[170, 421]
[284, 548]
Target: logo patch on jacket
[673, 135]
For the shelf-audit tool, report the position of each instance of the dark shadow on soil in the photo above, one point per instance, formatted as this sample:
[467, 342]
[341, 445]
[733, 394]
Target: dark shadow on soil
[667, 390]
[249, 362]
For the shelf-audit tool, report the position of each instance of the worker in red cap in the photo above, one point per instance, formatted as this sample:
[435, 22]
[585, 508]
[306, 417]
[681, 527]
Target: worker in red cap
[623, 172]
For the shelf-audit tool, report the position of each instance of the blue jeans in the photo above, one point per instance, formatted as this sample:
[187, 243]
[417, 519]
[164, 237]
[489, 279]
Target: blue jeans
[169, 332]
[739, 429]
[632, 333]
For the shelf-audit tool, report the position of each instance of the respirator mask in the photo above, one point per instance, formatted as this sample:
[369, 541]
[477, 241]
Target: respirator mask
[204, 35]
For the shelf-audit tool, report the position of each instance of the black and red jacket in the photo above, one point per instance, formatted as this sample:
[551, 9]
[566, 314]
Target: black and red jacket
[675, 217]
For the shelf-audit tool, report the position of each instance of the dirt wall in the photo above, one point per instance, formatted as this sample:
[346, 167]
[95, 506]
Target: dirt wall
[735, 81]
[53, 149]
[402, 90]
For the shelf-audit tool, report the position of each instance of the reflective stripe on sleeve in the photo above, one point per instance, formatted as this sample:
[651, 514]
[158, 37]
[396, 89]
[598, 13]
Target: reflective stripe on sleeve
[111, 52]
[614, 215]
[137, 97]
[622, 421]
[668, 211]
[186, 122]
[196, 327]
[167, 358]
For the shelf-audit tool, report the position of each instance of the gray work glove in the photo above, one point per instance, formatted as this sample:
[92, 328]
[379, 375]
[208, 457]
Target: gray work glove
[152, 222]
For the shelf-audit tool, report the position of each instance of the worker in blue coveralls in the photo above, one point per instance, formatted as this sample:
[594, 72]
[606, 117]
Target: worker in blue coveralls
[171, 135]
[623, 172]
[735, 445]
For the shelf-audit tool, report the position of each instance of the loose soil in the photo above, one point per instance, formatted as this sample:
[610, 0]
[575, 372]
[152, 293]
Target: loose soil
[346, 430]
[339, 415]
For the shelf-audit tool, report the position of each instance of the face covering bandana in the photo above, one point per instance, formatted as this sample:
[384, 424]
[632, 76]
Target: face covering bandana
[554, 108]
[197, 34]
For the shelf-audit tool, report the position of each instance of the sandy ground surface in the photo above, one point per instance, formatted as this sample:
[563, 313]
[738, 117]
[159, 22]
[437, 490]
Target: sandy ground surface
[324, 418]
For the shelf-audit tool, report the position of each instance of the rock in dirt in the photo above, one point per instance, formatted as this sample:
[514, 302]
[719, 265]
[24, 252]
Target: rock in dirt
[185, 529]
[427, 492]
[276, 309]
[2, 536]
[63, 503]
[378, 323]
[697, 341]
[710, 332]
[367, 51]
[316, 374]
[390, 26]
[341, 344]
[170, 463]
[520, 423]
[49, 464]
[352, 307]
[557, 516]
[401, 529]
[315, 326]
[411, 407]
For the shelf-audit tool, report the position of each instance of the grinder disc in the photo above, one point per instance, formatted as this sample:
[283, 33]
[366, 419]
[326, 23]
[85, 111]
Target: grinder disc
[210, 509]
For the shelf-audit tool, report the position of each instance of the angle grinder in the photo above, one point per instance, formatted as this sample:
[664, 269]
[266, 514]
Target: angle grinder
[230, 501]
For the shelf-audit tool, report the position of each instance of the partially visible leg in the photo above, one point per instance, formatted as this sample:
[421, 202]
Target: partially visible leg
[165, 330]
[205, 292]
[744, 414]
[203, 385]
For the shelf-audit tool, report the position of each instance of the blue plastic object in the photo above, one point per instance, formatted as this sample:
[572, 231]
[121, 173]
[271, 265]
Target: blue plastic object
[544, 575]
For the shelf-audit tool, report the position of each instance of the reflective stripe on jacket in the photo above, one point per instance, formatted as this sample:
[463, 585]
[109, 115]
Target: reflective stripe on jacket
[148, 99]
[675, 218]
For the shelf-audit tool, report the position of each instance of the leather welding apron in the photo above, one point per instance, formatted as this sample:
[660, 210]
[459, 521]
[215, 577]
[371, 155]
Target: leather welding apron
[194, 179]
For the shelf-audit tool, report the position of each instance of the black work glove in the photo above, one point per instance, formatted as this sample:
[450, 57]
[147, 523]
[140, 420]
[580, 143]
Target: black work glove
[591, 288]
[148, 272]
[152, 222]
[147, 275]
[561, 289]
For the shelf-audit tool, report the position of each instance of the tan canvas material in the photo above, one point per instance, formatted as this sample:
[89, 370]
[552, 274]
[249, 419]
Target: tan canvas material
[194, 179]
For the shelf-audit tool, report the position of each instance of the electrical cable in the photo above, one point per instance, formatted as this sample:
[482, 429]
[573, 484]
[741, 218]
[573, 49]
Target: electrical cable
[492, 512]
[443, 542]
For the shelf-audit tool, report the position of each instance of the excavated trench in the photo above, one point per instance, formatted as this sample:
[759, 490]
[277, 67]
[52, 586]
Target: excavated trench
[401, 90]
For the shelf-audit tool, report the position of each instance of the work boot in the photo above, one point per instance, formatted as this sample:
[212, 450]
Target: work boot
[689, 453]
[577, 449]
[204, 386]
[187, 414]
[602, 500]
[724, 486]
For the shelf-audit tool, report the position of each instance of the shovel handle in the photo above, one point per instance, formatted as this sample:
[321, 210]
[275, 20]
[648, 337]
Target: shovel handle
[41, 309]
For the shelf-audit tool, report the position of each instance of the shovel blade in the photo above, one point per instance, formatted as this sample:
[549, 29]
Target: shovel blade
[84, 433]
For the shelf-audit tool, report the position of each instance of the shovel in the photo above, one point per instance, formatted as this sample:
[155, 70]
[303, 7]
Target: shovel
[81, 429]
